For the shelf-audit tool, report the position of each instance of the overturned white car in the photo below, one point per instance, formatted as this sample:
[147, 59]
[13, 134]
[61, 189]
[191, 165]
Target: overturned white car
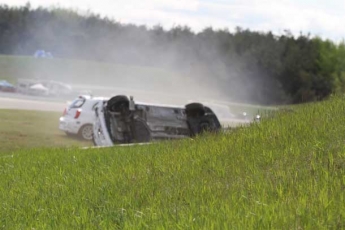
[121, 120]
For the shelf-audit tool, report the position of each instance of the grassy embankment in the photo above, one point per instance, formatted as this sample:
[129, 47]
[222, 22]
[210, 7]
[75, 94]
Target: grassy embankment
[283, 173]
[20, 129]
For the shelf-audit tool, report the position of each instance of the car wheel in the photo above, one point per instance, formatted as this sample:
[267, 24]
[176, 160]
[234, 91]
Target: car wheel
[117, 103]
[86, 132]
[204, 127]
[195, 110]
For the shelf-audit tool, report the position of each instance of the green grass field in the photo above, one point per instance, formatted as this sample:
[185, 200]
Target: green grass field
[286, 172]
[20, 129]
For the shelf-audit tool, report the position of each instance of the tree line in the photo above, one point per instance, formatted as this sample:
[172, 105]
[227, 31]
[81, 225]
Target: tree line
[258, 66]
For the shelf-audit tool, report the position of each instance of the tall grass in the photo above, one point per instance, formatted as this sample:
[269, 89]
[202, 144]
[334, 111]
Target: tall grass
[286, 172]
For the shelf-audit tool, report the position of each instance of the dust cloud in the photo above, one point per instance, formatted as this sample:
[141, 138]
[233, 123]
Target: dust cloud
[155, 65]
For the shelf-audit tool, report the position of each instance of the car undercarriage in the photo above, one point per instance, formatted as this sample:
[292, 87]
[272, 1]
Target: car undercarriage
[121, 120]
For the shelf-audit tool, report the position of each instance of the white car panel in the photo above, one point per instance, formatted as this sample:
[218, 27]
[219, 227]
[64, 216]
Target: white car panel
[78, 114]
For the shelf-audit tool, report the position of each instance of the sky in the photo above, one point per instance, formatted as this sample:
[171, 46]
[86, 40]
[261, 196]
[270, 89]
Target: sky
[317, 17]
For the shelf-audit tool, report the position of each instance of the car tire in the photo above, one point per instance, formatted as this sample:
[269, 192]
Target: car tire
[115, 103]
[204, 126]
[86, 132]
[195, 110]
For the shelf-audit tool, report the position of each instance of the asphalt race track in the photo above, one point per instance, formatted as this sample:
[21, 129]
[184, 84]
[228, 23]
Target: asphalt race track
[30, 104]
[24, 102]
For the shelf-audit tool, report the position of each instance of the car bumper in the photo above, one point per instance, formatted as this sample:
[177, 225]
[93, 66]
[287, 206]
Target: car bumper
[68, 126]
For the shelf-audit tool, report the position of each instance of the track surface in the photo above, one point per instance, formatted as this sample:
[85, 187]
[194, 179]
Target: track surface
[17, 102]
[23, 102]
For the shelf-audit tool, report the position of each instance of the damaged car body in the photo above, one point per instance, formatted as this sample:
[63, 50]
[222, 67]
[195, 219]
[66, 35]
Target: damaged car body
[121, 120]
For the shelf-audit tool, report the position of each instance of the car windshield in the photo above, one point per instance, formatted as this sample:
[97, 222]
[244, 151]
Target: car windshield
[77, 103]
